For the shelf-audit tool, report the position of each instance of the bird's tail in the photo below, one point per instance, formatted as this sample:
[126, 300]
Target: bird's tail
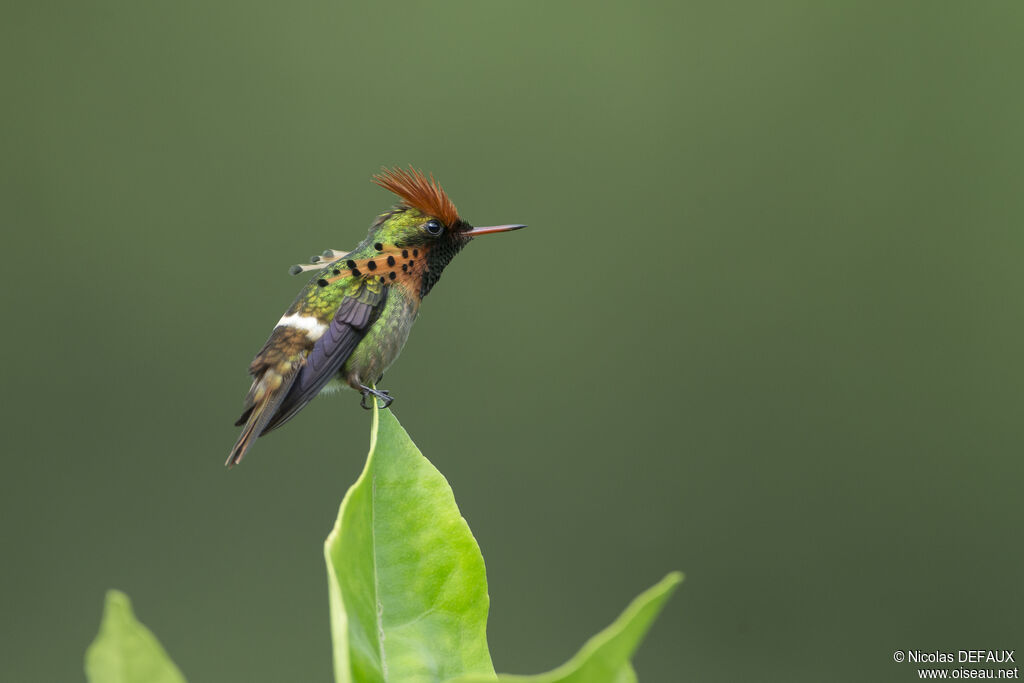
[265, 398]
[245, 441]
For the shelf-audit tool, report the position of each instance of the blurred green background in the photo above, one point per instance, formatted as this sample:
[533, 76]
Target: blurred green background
[764, 327]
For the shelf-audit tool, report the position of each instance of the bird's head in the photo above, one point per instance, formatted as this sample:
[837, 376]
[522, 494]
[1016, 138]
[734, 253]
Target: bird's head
[424, 225]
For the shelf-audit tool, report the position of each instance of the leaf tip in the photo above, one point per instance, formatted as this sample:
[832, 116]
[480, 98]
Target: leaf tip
[673, 579]
[116, 599]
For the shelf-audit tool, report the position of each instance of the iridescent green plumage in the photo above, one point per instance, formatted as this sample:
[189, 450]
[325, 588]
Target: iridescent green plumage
[352, 320]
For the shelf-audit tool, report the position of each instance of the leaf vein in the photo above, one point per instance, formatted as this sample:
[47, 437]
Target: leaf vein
[376, 578]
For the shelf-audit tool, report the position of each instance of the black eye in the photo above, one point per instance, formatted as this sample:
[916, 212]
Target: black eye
[433, 226]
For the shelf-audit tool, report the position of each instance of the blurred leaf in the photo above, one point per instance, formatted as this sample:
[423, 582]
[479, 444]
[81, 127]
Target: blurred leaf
[408, 591]
[605, 658]
[125, 651]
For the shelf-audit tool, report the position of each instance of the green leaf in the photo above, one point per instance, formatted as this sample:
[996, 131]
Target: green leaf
[605, 658]
[408, 591]
[125, 651]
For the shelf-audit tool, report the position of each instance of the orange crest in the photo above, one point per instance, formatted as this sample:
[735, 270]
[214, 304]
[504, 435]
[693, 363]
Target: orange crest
[415, 190]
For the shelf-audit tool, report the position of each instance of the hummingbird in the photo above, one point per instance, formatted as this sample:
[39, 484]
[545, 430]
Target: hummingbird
[348, 325]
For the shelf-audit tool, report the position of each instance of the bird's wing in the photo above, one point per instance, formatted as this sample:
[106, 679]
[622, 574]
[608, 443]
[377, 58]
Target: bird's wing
[357, 312]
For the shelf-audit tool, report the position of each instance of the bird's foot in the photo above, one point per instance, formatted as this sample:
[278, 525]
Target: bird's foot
[385, 397]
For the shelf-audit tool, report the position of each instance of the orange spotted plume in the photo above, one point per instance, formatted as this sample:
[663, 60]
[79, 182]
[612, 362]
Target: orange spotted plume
[415, 190]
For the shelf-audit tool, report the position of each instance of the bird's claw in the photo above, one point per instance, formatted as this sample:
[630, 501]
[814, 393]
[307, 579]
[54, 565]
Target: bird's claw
[386, 399]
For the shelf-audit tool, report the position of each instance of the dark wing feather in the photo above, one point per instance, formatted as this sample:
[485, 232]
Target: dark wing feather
[330, 352]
